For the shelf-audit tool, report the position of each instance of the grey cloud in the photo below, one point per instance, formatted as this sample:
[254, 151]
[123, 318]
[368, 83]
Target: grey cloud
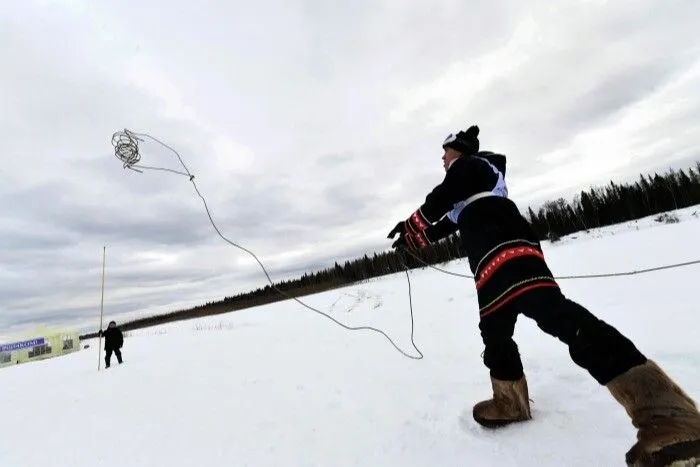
[348, 200]
[335, 161]
[309, 96]
[613, 92]
[573, 84]
[24, 314]
[158, 221]
[542, 123]
[27, 240]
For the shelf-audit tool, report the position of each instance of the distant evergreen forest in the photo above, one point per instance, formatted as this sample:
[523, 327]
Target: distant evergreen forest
[598, 207]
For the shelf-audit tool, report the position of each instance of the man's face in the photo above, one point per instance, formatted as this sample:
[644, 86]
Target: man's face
[449, 156]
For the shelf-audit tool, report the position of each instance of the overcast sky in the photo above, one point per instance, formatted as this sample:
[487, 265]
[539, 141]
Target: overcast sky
[312, 127]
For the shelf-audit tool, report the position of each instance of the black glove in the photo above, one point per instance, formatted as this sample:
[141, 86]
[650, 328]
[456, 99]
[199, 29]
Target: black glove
[412, 232]
[413, 240]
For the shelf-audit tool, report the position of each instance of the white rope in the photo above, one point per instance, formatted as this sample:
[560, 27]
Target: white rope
[126, 149]
[580, 276]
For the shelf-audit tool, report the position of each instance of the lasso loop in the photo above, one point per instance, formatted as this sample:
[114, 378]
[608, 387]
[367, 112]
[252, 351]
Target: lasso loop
[126, 148]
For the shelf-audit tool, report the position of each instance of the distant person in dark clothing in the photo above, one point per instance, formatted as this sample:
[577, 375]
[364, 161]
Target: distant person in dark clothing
[114, 340]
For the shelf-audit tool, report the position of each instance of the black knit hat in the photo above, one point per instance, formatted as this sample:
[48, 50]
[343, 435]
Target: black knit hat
[466, 142]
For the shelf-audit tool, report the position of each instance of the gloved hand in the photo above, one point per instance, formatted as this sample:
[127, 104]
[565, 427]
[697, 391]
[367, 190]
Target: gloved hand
[408, 238]
[412, 232]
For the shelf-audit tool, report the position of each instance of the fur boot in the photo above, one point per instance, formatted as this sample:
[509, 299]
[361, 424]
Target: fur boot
[510, 404]
[667, 420]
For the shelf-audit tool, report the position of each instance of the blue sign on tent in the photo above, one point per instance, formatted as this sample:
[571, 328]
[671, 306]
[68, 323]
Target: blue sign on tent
[21, 345]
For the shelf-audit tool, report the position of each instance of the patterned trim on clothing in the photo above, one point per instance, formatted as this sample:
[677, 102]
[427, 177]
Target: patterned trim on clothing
[503, 257]
[501, 245]
[515, 290]
[419, 221]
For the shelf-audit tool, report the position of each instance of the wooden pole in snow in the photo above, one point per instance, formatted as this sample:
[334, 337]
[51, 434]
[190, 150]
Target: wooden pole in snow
[102, 301]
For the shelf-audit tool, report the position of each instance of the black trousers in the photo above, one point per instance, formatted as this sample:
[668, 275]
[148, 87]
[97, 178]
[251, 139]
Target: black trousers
[593, 344]
[108, 355]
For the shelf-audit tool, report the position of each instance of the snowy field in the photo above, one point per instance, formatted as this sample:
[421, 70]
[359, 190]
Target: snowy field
[280, 385]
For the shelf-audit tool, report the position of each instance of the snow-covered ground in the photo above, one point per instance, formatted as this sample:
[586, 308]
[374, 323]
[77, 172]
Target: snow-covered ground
[280, 385]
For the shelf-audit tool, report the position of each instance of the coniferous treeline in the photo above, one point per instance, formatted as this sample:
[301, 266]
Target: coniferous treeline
[597, 207]
[615, 203]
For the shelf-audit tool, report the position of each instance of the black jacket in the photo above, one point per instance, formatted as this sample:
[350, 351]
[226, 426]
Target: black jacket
[483, 224]
[114, 339]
